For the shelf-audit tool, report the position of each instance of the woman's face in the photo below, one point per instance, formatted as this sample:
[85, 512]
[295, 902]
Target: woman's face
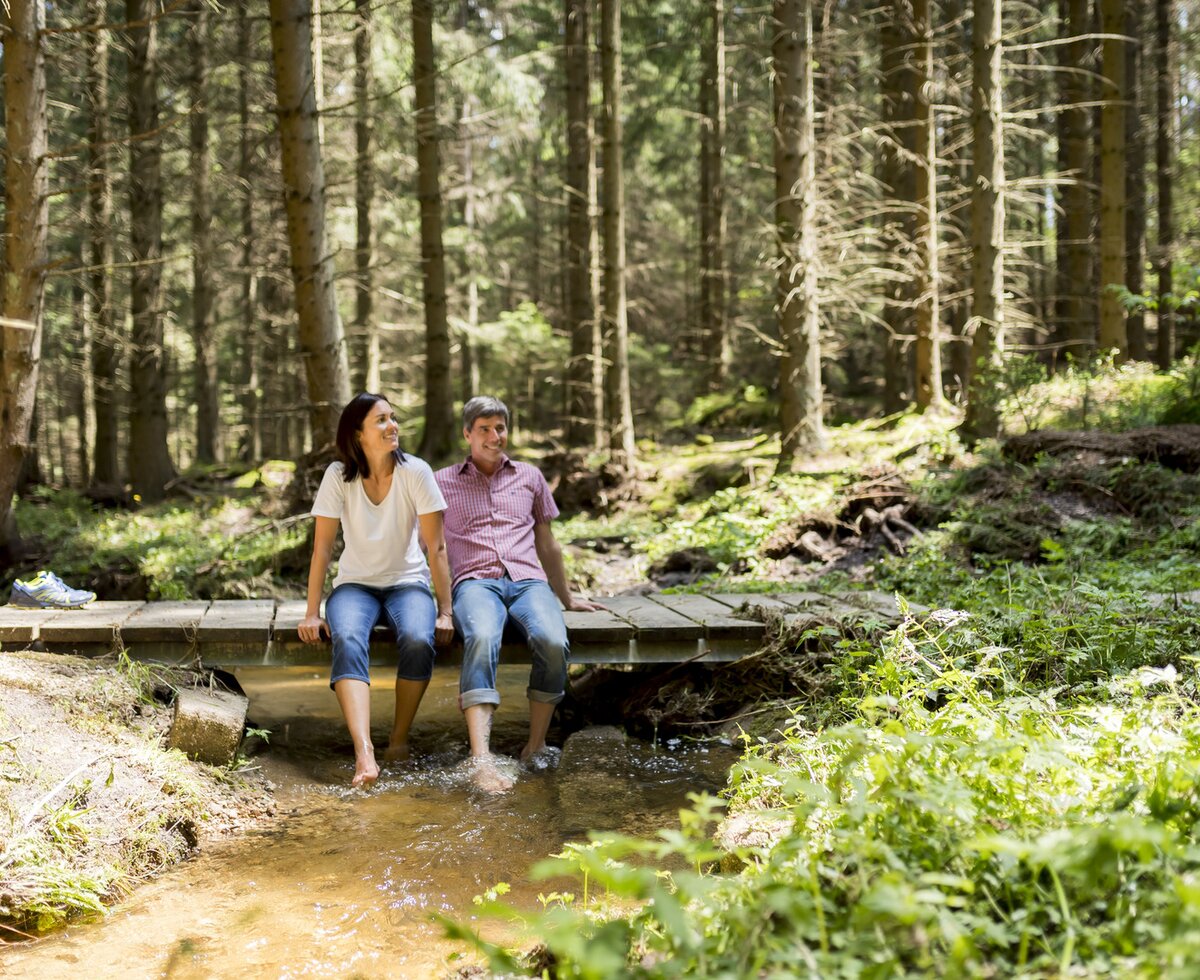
[380, 432]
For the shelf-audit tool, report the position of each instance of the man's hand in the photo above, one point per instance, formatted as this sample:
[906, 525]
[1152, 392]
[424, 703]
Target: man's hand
[580, 604]
[443, 629]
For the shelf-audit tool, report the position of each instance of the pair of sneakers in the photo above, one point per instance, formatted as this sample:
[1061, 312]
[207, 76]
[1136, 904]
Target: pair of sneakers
[47, 591]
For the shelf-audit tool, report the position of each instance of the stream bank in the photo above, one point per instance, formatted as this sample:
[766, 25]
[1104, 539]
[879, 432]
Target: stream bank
[337, 882]
[90, 803]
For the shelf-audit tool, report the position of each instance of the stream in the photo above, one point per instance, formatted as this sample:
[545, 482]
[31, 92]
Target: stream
[342, 883]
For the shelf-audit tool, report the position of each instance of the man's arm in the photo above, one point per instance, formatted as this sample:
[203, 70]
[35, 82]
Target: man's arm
[550, 555]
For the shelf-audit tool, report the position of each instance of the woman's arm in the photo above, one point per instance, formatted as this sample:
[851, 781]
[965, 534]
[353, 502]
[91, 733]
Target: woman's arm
[324, 534]
[434, 539]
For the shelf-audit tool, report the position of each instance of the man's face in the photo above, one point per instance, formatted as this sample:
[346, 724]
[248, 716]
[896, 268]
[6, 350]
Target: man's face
[487, 437]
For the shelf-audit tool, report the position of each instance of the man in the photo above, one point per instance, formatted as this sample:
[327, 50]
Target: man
[505, 565]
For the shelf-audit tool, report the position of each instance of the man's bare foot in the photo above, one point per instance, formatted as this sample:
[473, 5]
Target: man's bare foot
[365, 773]
[488, 773]
[397, 752]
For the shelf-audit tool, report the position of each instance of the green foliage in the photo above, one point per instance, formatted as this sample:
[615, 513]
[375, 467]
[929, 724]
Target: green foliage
[960, 821]
[732, 523]
[748, 408]
[1098, 396]
[1183, 397]
[222, 547]
[1186, 297]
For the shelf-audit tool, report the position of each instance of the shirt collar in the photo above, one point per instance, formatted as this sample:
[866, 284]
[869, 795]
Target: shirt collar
[468, 464]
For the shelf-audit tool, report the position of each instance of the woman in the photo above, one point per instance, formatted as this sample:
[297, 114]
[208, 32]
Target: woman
[381, 497]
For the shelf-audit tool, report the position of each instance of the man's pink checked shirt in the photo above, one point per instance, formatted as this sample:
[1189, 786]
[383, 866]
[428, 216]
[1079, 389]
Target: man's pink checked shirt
[489, 520]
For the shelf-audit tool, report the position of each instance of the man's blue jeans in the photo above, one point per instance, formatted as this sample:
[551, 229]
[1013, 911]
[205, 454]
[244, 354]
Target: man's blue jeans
[482, 606]
[352, 612]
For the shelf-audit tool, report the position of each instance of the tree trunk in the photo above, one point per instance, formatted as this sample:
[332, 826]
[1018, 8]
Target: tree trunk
[150, 467]
[251, 449]
[469, 380]
[536, 232]
[367, 370]
[1076, 311]
[896, 43]
[580, 316]
[1135, 185]
[26, 216]
[1113, 334]
[803, 429]
[599, 396]
[322, 344]
[438, 440]
[1164, 161]
[616, 315]
[712, 200]
[105, 342]
[208, 396]
[987, 222]
[85, 407]
[928, 286]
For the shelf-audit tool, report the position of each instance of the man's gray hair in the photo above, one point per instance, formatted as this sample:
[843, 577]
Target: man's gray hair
[482, 407]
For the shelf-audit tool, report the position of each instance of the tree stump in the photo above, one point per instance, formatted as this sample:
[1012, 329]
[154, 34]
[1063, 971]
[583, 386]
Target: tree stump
[208, 725]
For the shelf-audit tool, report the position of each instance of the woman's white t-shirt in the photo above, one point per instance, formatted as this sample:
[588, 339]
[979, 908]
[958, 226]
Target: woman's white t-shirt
[382, 547]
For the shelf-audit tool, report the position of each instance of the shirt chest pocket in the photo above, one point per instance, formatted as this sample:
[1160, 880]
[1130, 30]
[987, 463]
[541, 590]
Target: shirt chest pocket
[513, 503]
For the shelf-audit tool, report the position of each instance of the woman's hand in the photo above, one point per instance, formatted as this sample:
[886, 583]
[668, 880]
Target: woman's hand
[443, 629]
[310, 629]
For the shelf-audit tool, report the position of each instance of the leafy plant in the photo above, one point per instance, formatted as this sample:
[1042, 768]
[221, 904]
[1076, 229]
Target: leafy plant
[960, 821]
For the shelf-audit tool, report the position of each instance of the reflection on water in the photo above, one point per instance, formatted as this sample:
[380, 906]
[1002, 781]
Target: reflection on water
[342, 883]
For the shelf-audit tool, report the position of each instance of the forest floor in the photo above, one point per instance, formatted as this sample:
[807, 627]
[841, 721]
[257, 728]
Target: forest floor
[1019, 531]
[90, 800]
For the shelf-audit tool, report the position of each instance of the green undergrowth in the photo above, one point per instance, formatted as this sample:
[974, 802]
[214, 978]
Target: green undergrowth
[1008, 786]
[960, 816]
[724, 499]
[222, 544]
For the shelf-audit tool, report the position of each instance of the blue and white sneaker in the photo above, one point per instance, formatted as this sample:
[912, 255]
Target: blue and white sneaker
[47, 591]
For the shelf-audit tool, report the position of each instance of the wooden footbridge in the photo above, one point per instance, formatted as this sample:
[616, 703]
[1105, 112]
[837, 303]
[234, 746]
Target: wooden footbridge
[655, 628]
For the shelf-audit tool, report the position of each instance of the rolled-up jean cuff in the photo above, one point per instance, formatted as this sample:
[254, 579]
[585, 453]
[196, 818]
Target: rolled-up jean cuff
[478, 695]
[543, 696]
[349, 677]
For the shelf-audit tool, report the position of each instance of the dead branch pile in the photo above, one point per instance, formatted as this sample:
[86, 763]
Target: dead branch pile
[875, 510]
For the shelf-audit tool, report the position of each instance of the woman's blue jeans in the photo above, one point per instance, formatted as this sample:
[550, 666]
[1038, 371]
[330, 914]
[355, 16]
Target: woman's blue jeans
[482, 607]
[352, 612]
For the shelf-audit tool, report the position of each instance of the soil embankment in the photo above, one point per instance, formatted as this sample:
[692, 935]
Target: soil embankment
[90, 801]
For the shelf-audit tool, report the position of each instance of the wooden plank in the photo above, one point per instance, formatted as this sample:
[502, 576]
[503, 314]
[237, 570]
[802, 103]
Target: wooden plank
[97, 622]
[240, 620]
[819, 604]
[653, 621]
[716, 618]
[882, 604]
[164, 621]
[761, 603]
[288, 614]
[602, 626]
[20, 625]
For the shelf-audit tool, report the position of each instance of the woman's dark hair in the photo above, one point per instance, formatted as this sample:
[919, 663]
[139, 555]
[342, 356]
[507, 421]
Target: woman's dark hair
[349, 449]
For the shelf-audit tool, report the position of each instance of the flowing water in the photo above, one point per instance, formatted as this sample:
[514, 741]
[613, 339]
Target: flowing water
[342, 883]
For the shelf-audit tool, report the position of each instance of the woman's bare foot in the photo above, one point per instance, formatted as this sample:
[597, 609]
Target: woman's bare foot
[397, 752]
[489, 774]
[366, 771]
